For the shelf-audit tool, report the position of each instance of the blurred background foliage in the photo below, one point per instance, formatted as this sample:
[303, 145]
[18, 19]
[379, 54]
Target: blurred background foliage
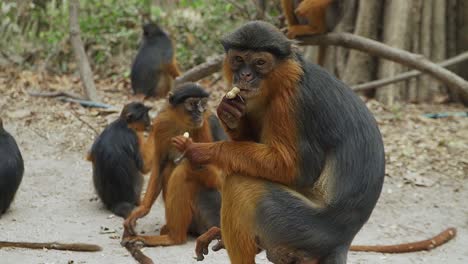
[35, 32]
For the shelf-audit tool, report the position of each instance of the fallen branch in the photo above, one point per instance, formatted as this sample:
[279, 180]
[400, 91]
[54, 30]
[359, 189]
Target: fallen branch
[137, 254]
[54, 94]
[85, 103]
[455, 83]
[427, 244]
[135, 251]
[53, 245]
[404, 76]
[201, 71]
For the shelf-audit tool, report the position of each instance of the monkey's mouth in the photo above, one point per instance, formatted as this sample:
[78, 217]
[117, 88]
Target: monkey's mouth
[248, 89]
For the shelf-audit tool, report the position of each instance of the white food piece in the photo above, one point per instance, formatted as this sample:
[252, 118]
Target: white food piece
[186, 135]
[233, 93]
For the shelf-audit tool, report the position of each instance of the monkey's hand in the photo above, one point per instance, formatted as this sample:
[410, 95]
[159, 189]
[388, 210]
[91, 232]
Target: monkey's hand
[230, 111]
[204, 241]
[130, 222]
[196, 153]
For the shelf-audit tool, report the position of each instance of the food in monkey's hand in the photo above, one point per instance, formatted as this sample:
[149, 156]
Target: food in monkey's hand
[232, 93]
[186, 135]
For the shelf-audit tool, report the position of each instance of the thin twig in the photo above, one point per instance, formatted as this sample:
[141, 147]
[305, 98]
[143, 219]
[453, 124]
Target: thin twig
[84, 122]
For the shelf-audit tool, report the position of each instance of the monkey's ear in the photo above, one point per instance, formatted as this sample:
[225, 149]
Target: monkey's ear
[128, 116]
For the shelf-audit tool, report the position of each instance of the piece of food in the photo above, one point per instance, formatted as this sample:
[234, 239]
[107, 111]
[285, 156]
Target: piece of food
[233, 93]
[186, 135]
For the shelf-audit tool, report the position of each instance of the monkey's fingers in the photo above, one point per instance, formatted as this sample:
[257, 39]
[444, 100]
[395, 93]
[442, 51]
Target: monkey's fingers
[204, 241]
[181, 143]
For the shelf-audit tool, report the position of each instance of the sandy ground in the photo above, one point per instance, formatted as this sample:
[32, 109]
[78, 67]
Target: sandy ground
[425, 191]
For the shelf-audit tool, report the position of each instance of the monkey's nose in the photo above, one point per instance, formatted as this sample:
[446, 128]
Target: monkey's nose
[246, 76]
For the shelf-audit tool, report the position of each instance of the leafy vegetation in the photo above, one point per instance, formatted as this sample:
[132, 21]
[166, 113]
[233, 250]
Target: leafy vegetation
[36, 32]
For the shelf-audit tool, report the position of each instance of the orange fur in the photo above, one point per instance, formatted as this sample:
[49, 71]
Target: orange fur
[276, 132]
[268, 153]
[179, 183]
[313, 10]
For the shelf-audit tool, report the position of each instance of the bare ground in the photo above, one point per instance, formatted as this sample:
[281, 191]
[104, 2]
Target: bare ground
[425, 190]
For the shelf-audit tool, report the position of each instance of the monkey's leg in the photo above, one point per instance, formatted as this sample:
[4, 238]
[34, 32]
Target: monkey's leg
[307, 6]
[178, 205]
[239, 199]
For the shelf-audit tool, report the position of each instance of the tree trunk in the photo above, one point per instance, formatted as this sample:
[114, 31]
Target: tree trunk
[335, 57]
[413, 84]
[439, 50]
[86, 74]
[396, 33]
[462, 34]
[361, 67]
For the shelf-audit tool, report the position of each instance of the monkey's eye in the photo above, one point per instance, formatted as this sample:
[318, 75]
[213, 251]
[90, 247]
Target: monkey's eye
[260, 62]
[238, 59]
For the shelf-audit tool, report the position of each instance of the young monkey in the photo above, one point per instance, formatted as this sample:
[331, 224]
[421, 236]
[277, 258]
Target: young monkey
[190, 193]
[120, 155]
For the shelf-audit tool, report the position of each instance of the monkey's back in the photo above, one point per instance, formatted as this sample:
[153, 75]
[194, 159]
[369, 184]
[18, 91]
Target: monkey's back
[116, 165]
[149, 63]
[11, 169]
[341, 155]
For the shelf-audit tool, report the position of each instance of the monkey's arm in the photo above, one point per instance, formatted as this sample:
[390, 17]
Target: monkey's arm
[173, 69]
[209, 176]
[288, 10]
[152, 192]
[275, 159]
[147, 150]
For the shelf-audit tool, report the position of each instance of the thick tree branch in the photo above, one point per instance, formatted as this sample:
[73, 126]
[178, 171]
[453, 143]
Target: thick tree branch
[85, 70]
[454, 82]
[201, 71]
[407, 75]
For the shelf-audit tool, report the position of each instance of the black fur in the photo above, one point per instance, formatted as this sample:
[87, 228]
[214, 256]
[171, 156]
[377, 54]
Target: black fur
[333, 124]
[11, 169]
[117, 162]
[248, 38]
[186, 90]
[154, 52]
[208, 214]
[217, 130]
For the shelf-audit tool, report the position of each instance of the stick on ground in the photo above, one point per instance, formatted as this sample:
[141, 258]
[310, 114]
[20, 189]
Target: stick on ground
[422, 245]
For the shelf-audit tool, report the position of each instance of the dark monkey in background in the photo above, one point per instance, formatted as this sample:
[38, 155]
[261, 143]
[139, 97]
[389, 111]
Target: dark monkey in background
[306, 164]
[120, 154]
[11, 168]
[155, 67]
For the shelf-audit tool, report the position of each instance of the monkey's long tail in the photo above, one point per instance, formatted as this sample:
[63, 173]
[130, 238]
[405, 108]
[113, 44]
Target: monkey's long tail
[52, 245]
[427, 244]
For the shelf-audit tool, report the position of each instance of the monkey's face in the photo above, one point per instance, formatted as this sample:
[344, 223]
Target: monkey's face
[194, 110]
[136, 115]
[249, 68]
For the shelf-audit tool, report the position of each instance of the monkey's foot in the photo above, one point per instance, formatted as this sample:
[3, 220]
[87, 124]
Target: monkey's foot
[303, 30]
[204, 241]
[133, 240]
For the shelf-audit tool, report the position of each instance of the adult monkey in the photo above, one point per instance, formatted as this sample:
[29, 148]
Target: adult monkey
[306, 165]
